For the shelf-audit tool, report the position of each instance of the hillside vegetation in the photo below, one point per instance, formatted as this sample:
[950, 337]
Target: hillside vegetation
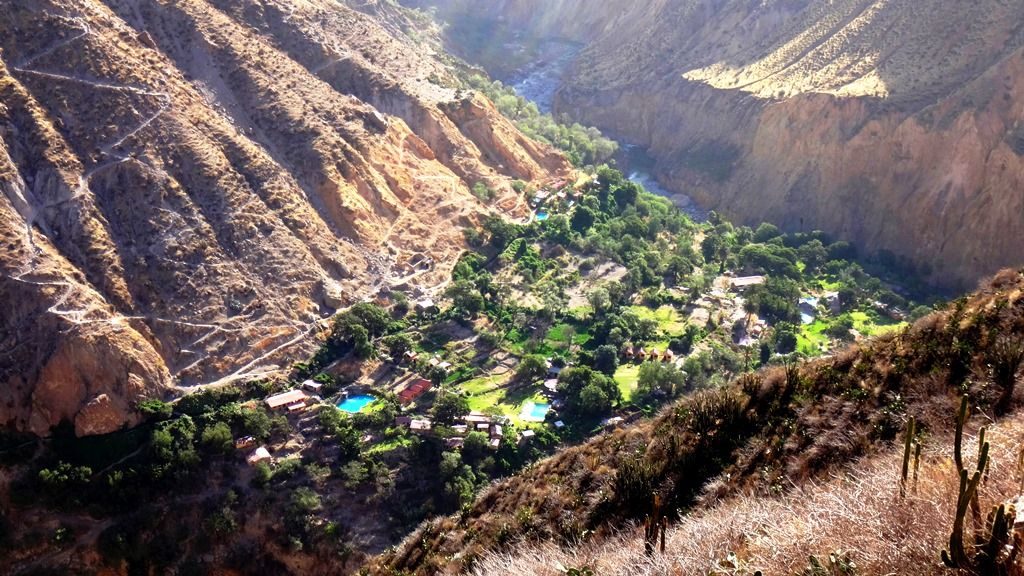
[761, 435]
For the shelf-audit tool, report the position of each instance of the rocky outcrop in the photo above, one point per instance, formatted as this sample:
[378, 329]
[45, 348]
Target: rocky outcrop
[189, 188]
[891, 123]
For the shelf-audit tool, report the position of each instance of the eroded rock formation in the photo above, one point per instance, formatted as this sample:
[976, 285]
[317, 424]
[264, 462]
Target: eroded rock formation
[891, 123]
[190, 187]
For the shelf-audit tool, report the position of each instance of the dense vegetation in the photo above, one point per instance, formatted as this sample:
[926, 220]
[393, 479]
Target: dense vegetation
[760, 433]
[583, 145]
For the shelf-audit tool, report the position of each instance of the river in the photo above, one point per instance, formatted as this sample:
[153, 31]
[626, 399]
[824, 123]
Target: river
[538, 83]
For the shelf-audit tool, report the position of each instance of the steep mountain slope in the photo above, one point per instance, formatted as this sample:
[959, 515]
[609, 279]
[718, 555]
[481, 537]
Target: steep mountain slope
[762, 435]
[891, 123]
[851, 515]
[190, 186]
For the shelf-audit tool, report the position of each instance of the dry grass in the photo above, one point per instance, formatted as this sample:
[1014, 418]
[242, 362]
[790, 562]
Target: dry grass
[858, 513]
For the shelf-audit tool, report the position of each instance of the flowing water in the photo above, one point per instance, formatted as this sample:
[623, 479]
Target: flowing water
[538, 83]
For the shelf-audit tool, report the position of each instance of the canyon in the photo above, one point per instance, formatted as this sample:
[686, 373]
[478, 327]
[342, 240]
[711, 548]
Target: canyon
[191, 188]
[893, 124]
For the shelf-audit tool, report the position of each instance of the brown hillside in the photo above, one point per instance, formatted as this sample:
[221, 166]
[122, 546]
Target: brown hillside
[188, 187]
[761, 435]
[892, 124]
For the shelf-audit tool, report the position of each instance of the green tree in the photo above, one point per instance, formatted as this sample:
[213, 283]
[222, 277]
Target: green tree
[531, 367]
[466, 298]
[583, 219]
[599, 300]
[155, 409]
[458, 479]
[657, 378]
[449, 407]
[398, 345]
[766, 232]
[217, 438]
[601, 391]
[172, 446]
[785, 338]
[606, 359]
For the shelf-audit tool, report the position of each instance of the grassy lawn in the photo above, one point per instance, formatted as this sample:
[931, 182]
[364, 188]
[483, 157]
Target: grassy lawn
[668, 318]
[626, 377]
[389, 445]
[812, 337]
[872, 323]
[492, 394]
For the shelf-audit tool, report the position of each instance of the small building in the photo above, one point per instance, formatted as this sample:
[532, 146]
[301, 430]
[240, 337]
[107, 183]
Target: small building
[415, 390]
[559, 424]
[244, 442]
[554, 371]
[410, 356]
[261, 454]
[628, 352]
[497, 431]
[551, 384]
[420, 426]
[454, 442]
[655, 354]
[403, 420]
[526, 436]
[495, 443]
[313, 386]
[297, 407]
[835, 306]
[613, 421]
[426, 306]
[474, 418]
[668, 356]
[483, 427]
[285, 399]
[641, 354]
[460, 429]
[743, 283]
[446, 366]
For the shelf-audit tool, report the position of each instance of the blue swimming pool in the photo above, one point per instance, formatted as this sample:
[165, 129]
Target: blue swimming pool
[535, 412]
[542, 216]
[355, 404]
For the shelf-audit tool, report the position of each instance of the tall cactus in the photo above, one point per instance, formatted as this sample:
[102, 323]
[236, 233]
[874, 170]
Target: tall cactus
[958, 440]
[654, 528]
[956, 557]
[908, 442]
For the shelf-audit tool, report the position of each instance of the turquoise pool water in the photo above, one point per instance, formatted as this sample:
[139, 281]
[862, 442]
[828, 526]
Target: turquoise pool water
[535, 412]
[355, 404]
[542, 216]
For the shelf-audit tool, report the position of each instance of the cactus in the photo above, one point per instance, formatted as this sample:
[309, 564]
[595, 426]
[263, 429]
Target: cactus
[917, 463]
[908, 442]
[986, 557]
[958, 440]
[654, 528]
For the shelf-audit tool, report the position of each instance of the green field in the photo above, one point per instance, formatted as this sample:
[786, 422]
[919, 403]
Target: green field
[492, 395]
[669, 320]
[812, 337]
[389, 445]
[626, 377]
[871, 323]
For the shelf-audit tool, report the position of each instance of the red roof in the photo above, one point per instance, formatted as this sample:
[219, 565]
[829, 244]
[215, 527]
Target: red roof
[415, 390]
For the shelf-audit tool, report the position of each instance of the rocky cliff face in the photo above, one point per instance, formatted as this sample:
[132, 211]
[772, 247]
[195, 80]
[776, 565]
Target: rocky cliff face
[891, 123]
[190, 187]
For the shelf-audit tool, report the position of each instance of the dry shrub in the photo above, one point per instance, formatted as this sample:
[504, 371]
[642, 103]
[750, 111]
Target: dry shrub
[858, 512]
